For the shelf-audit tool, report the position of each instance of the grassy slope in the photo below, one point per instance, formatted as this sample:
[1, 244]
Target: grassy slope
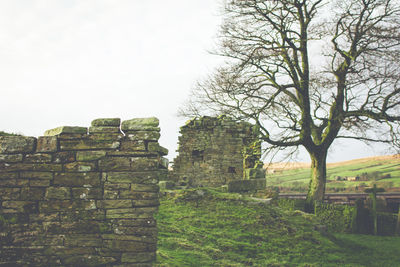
[220, 229]
[299, 177]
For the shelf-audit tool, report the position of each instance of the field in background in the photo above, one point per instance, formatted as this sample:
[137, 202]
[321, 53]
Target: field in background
[384, 171]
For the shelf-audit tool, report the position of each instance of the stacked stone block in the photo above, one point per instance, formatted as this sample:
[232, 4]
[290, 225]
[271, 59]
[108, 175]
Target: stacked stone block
[214, 151]
[81, 197]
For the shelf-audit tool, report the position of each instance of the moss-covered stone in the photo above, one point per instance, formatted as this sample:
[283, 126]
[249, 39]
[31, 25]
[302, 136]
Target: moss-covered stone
[129, 177]
[106, 122]
[129, 246]
[91, 179]
[87, 144]
[12, 158]
[47, 144]
[115, 204]
[138, 145]
[138, 257]
[104, 129]
[81, 199]
[154, 146]
[17, 144]
[141, 124]
[87, 193]
[66, 130]
[32, 193]
[38, 158]
[80, 166]
[90, 155]
[58, 193]
[143, 135]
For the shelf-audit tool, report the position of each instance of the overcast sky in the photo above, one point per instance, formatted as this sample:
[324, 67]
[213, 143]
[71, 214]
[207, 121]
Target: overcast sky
[67, 62]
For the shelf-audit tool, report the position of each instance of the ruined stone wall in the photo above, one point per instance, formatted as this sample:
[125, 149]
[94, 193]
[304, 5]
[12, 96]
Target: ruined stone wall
[214, 151]
[81, 197]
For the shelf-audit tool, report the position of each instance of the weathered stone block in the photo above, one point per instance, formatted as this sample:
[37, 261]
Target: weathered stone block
[82, 215]
[32, 193]
[141, 124]
[106, 122]
[66, 205]
[131, 213]
[37, 158]
[20, 206]
[87, 144]
[105, 136]
[143, 135]
[9, 193]
[146, 203]
[87, 193]
[90, 179]
[8, 175]
[117, 164]
[132, 194]
[17, 144]
[30, 167]
[83, 240]
[246, 185]
[114, 204]
[64, 157]
[37, 175]
[11, 158]
[164, 162]
[132, 177]
[137, 145]
[129, 246]
[144, 164]
[104, 129]
[138, 257]
[58, 193]
[90, 155]
[133, 153]
[154, 146]
[47, 144]
[79, 167]
[66, 130]
[39, 183]
[136, 222]
[88, 260]
[145, 188]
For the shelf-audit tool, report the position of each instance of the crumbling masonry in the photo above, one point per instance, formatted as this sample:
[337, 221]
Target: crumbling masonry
[81, 197]
[215, 151]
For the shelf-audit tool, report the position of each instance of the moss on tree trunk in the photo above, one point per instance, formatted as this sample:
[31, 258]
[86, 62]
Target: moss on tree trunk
[316, 189]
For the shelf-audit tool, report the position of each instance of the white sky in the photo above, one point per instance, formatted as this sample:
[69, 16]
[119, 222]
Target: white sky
[67, 62]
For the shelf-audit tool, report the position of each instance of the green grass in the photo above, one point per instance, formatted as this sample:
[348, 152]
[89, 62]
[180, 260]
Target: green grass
[221, 229]
[2, 133]
[297, 180]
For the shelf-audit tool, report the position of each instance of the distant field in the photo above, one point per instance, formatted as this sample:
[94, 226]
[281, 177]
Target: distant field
[383, 171]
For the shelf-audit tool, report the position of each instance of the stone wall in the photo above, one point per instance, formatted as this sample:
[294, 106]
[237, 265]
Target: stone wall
[81, 197]
[214, 151]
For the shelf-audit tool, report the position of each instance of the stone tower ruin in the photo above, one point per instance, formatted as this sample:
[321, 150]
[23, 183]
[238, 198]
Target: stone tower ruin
[214, 151]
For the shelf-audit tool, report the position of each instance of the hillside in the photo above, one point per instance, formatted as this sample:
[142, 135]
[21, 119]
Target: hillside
[205, 227]
[383, 170]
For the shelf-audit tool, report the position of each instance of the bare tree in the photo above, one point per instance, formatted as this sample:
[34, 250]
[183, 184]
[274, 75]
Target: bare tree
[308, 72]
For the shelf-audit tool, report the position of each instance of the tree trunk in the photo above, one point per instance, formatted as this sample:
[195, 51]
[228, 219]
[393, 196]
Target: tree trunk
[316, 189]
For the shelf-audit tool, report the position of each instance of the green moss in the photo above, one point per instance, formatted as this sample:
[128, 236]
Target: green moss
[206, 227]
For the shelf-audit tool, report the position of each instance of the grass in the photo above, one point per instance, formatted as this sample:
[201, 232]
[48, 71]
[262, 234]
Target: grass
[297, 179]
[210, 228]
[2, 133]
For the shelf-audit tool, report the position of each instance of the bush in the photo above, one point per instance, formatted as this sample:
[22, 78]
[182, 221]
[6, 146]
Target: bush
[291, 204]
[337, 218]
